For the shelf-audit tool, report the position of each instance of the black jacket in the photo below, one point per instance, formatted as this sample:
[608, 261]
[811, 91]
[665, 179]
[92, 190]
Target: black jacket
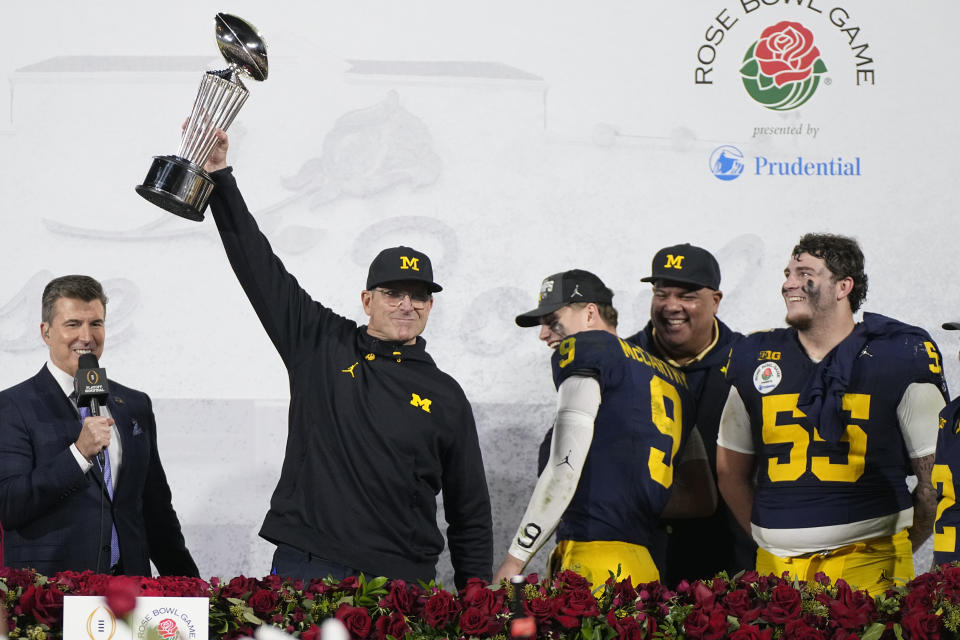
[375, 430]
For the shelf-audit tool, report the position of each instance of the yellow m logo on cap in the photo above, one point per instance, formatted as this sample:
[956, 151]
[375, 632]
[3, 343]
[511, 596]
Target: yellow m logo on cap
[423, 403]
[409, 263]
[673, 262]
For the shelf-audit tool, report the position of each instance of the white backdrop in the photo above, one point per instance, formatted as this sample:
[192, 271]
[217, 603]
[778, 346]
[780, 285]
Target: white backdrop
[542, 136]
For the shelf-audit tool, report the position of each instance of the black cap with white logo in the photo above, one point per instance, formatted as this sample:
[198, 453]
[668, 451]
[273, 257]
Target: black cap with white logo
[686, 264]
[401, 263]
[565, 288]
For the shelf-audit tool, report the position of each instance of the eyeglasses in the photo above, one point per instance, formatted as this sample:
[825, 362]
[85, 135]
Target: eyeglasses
[394, 297]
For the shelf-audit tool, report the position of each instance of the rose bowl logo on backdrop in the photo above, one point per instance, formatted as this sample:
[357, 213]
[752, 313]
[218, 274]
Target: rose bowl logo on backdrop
[782, 69]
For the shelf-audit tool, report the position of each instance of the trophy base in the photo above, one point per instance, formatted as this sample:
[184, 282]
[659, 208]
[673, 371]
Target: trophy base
[177, 185]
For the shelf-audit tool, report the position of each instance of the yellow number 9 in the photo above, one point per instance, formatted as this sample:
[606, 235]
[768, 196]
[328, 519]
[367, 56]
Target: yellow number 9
[566, 348]
[661, 467]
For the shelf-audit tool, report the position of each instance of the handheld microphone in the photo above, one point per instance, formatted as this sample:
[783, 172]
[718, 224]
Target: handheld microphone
[90, 385]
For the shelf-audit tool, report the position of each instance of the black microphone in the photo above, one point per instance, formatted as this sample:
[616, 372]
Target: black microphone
[90, 385]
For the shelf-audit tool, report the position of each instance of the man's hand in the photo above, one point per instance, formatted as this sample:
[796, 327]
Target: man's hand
[218, 156]
[510, 567]
[94, 436]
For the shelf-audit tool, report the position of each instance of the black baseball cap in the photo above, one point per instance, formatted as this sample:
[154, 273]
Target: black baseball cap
[401, 263]
[561, 289]
[686, 264]
[951, 325]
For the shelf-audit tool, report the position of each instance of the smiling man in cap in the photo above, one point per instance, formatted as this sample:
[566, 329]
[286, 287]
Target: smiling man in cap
[946, 480]
[622, 417]
[376, 430]
[685, 331]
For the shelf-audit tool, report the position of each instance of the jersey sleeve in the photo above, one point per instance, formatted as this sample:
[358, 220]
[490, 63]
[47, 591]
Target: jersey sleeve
[577, 404]
[917, 412]
[584, 355]
[945, 478]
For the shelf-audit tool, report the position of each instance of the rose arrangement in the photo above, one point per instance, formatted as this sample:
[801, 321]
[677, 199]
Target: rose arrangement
[746, 607]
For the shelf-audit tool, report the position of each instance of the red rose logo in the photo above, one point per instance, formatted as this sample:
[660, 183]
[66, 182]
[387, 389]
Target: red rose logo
[786, 53]
[782, 69]
[167, 628]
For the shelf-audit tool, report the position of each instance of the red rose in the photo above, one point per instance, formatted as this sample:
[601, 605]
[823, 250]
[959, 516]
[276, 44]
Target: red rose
[474, 622]
[350, 583]
[567, 579]
[738, 603]
[627, 629]
[750, 632]
[800, 630]
[17, 577]
[239, 587]
[355, 619]
[440, 609]
[272, 581]
[624, 593]
[579, 603]
[851, 609]
[542, 609]
[786, 53]
[313, 633]
[263, 602]
[44, 604]
[921, 626]
[476, 594]
[703, 595]
[122, 595]
[392, 625]
[784, 605]
[399, 598]
[708, 625]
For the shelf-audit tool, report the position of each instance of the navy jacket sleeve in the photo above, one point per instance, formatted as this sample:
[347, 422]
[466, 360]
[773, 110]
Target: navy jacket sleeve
[30, 488]
[286, 311]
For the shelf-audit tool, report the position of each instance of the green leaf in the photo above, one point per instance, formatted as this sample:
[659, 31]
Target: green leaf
[766, 82]
[819, 66]
[250, 617]
[873, 632]
[376, 583]
[898, 631]
[751, 69]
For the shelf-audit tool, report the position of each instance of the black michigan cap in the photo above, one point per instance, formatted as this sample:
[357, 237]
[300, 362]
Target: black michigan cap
[565, 288]
[687, 264]
[401, 263]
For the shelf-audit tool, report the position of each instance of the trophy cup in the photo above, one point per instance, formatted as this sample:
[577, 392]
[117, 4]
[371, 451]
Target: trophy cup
[178, 183]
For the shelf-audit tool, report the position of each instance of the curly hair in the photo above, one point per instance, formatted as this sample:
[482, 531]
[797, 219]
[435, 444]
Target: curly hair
[843, 258]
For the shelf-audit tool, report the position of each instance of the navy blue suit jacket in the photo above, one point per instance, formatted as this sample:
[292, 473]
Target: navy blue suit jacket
[57, 518]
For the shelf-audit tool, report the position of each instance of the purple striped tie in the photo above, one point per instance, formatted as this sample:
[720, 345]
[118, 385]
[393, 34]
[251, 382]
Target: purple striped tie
[107, 480]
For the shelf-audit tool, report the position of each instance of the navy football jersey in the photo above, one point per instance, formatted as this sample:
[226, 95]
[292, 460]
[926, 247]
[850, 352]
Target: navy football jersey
[644, 417]
[805, 479]
[946, 475]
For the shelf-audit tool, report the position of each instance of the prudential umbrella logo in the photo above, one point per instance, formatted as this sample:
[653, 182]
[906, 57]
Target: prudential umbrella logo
[782, 69]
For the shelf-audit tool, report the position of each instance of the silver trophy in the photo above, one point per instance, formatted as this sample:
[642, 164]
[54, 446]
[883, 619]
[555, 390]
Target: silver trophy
[178, 183]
